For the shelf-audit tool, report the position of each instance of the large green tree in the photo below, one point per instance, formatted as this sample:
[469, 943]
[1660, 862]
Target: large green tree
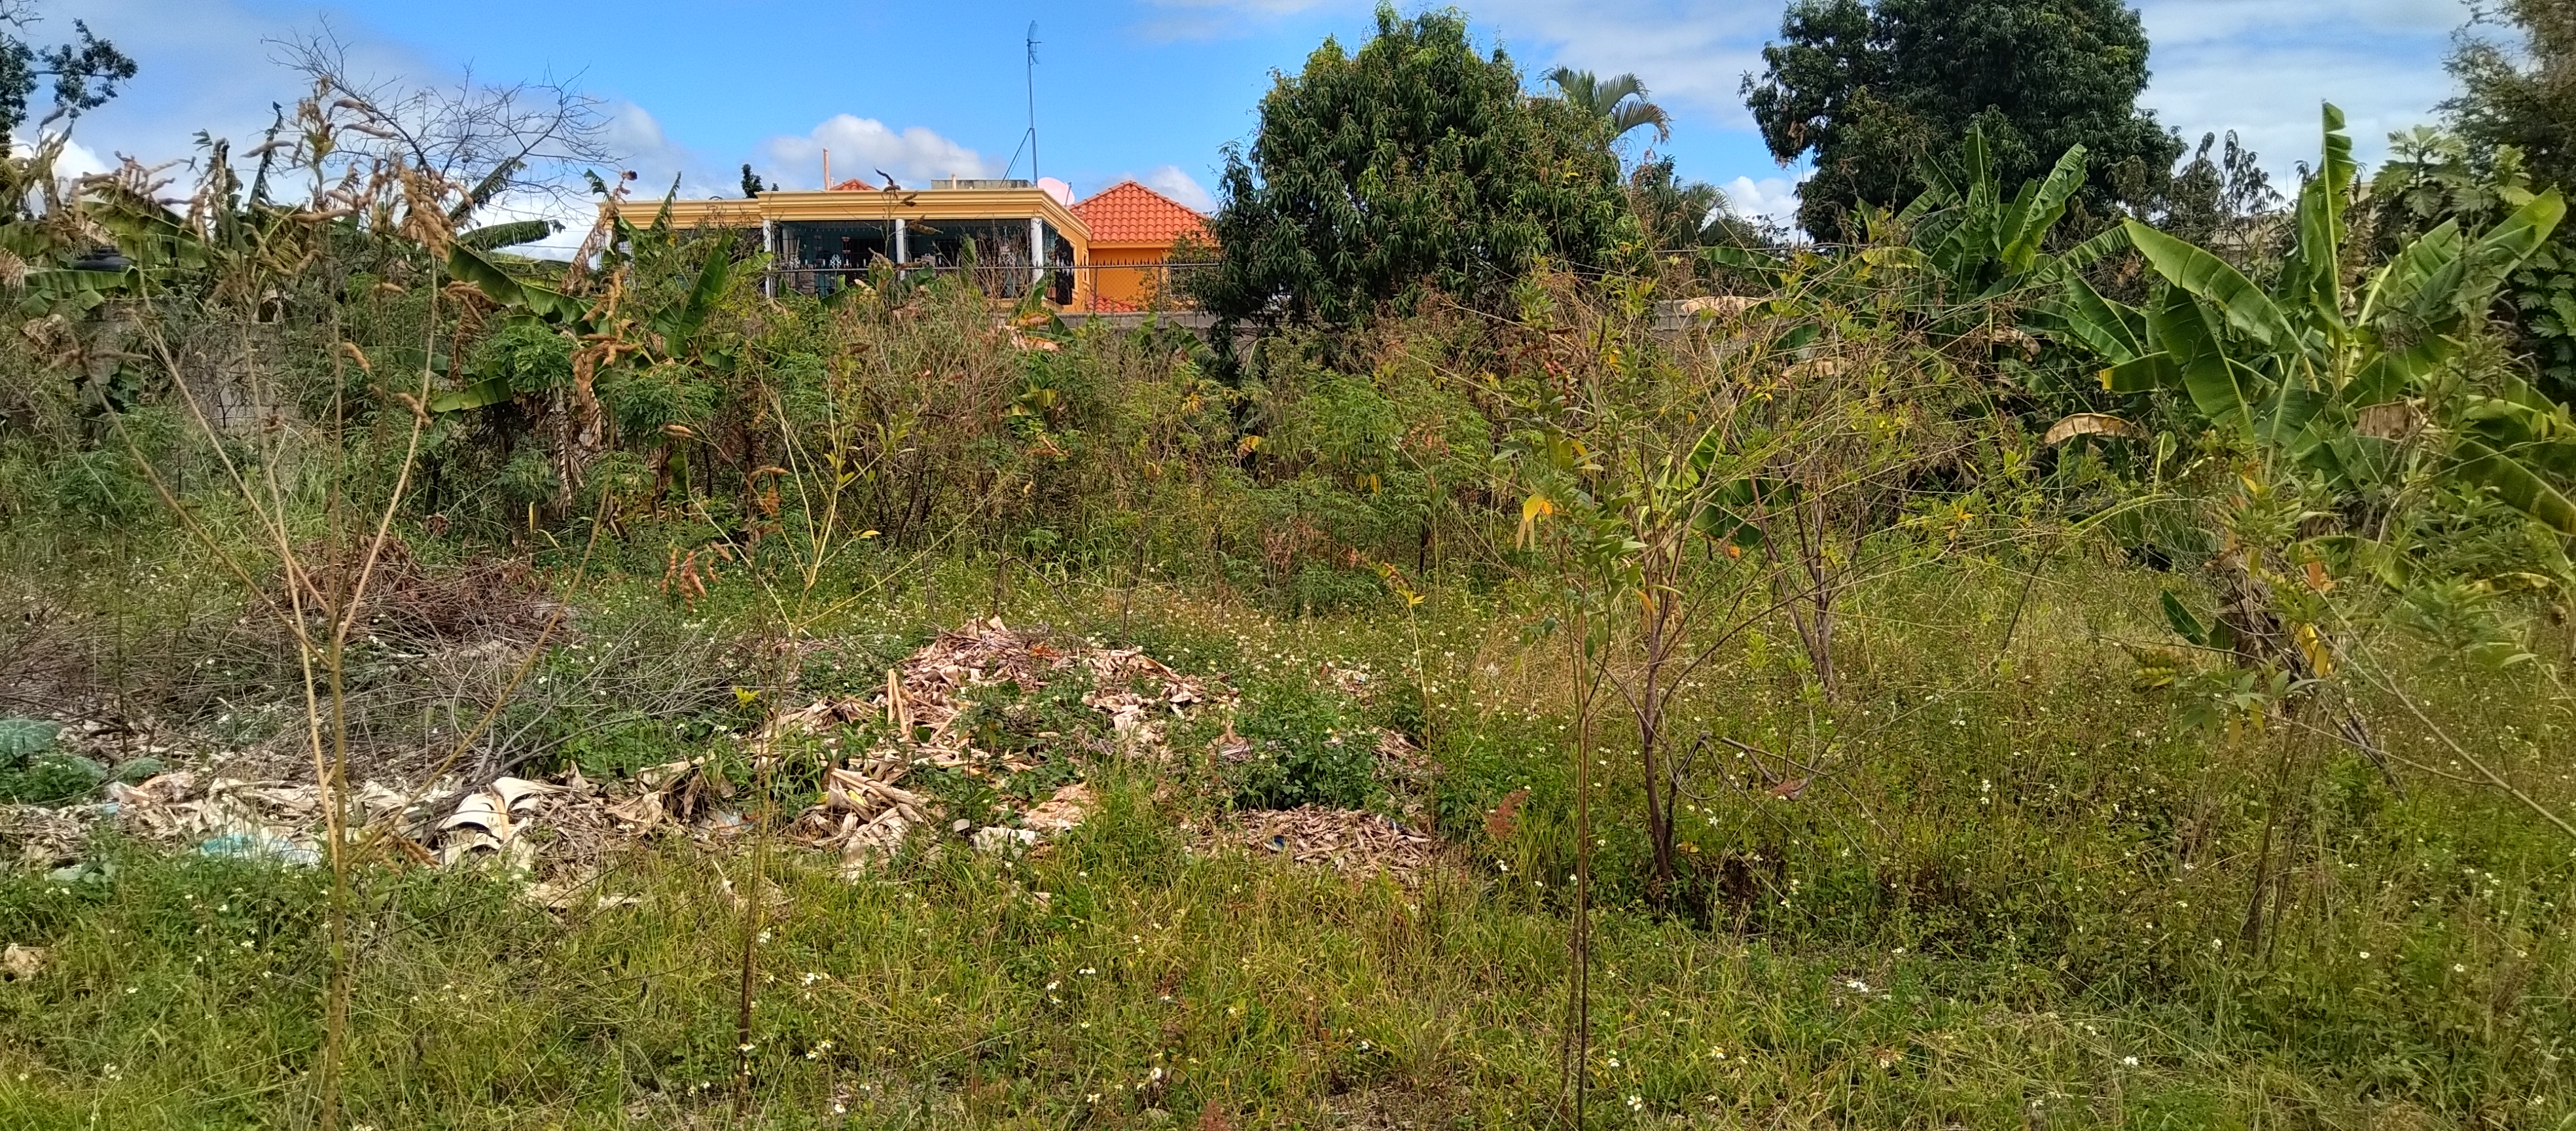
[1870, 89]
[2515, 125]
[2523, 94]
[83, 73]
[1416, 163]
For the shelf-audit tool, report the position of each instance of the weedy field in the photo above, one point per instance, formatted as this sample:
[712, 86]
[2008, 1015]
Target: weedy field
[2076, 643]
[2014, 888]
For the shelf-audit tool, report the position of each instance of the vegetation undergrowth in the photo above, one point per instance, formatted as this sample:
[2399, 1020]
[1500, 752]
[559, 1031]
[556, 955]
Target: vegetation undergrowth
[2087, 647]
[2027, 893]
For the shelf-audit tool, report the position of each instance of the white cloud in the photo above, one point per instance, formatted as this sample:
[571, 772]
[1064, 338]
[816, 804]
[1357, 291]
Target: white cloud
[203, 65]
[1170, 181]
[2271, 97]
[860, 146]
[2262, 69]
[635, 136]
[79, 160]
[1771, 198]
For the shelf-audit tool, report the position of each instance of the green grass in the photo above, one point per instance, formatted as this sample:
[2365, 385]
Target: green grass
[2019, 903]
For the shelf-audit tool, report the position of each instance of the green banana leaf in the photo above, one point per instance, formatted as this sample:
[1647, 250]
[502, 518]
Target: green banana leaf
[2213, 380]
[2311, 281]
[2337, 168]
[2469, 281]
[2246, 306]
[2394, 286]
[70, 292]
[2388, 375]
[494, 236]
[2090, 251]
[2516, 483]
[2114, 330]
[2310, 288]
[496, 284]
[2143, 374]
[677, 325]
[481, 394]
[1744, 259]
[2032, 217]
[509, 291]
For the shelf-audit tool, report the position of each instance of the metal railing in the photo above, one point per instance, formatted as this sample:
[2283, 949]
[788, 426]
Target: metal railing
[1002, 281]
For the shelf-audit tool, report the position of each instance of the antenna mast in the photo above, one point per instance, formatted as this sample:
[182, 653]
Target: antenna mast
[1030, 69]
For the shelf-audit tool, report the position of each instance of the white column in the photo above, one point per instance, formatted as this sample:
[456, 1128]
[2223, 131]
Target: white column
[900, 255]
[769, 247]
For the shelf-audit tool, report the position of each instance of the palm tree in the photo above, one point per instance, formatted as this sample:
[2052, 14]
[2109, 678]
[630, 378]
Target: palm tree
[1622, 101]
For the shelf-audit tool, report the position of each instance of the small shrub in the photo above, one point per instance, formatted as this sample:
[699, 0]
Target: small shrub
[52, 778]
[619, 749]
[1308, 747]
[1004, 719]
[21, 738]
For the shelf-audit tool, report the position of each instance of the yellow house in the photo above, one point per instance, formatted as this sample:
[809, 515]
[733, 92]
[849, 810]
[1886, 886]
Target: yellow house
[1022, 235]
[1133, 229]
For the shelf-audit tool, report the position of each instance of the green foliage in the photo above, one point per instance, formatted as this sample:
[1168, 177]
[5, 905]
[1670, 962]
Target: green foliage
[1621, 102]
[613, 750]
[2434, 177]
[23, 738]
[83, 75]
[51, 779]
[2293, 366]
[1869, 90]
[1305, 746]
[32, 772]
[1006, 719]
[2221, 199]
[2521, 95]
[1676, 213]
[1413, 165]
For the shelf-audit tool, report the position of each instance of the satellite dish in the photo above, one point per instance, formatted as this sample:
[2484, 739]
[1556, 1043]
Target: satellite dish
[1062, 192]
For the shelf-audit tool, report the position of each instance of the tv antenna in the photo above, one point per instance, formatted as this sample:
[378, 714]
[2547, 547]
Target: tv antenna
[1029, 140]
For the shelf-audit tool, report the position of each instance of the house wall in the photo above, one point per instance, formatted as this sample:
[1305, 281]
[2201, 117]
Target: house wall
[1127, 274]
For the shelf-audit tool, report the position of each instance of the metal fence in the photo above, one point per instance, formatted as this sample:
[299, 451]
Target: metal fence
[1065, 285]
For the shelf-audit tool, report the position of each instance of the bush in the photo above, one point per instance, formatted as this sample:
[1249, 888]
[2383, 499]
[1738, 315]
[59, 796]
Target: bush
[32, 772]
[1308, 746]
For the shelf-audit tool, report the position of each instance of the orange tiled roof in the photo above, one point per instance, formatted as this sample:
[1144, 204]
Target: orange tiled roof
[854, 185]
[1128, 212]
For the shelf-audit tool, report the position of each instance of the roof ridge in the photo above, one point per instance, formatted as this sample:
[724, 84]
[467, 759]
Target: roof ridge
[1132, 211]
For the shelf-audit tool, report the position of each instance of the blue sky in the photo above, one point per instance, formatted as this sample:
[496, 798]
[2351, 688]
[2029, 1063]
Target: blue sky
[1143, 88]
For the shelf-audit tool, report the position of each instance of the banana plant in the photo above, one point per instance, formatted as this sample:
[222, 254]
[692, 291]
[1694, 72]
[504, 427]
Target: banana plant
[1962, 241]
[664, 333]
[2291, 368]
[1980, 245]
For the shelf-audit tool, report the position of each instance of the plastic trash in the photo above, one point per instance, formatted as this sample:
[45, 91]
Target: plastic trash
[259, 845]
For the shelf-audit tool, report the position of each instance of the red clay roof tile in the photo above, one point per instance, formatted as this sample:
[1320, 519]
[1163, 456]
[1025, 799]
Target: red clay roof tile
[1128, 212]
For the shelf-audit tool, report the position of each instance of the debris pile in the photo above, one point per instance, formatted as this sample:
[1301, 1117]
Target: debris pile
[927, 693]
[42, 839]
[223, 816]
[933, 714]
[865, 813]
[1346, 840]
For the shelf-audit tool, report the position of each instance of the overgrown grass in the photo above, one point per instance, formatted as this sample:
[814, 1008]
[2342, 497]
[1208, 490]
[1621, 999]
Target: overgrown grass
[2016, 894]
